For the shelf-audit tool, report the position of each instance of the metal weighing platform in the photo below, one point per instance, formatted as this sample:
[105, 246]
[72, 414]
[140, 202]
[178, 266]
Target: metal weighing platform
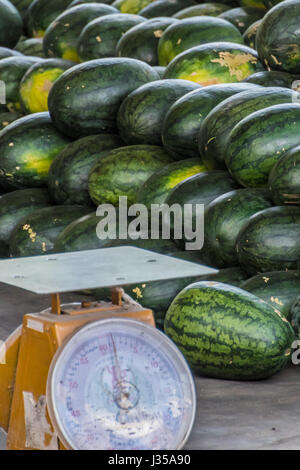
[36, 349]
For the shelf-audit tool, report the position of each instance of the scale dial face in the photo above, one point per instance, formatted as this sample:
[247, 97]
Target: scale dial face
[119, 384]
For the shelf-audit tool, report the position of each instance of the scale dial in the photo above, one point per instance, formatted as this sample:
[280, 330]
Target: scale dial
[119, 384]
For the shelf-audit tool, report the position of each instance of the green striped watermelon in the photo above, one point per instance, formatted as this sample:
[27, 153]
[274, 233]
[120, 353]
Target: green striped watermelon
[31, 46]
[21, 6]
[269, 241]
[243, 17]
[156, 189]
[69, 171]
[27, 149]
[226, 332]
[295, 316]
[258, 141]
[249, 35]
[99, 38]
[79, 102]
[190, 32]
[284, 179]
[122, 171]
[83, 234]
[216, 128]
[204, 9]
[224, 217]
[11, 24]
[141, 41]
[160, 8]
[61, 36]
[183, 120]
[277, 288]
[17, 204]
[36, 232]
[270, 78]
[278, 37]
[201, 188]
[7, 117]
[41, 13]
[142, 112]
[215, 62]
[158, 295]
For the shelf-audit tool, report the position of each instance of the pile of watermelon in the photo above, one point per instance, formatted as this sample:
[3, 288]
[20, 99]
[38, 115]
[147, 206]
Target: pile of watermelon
[164, 102]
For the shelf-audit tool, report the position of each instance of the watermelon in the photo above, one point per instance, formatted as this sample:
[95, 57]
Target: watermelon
[194, 31]
[158, 295]
[243, 17]
[226, 332]
[278, 37]
[142, 112]
[216, 127]
[7, 117]
[36, 232]
[27, 148]
[159, 70]
[122, 171]
[61, 36]
[269, 241]
[6, 52]
[17, 204]
[295, 316]
[252, 3]
[204, 9]
[165, 8]
[271, 3]
[68, 173]
[83, 234]
[141, 41]
[201, 188]
[31, 46]
[215, 62]
[284, 179]
[41, 13]
[85, 99]
[278, 288]
[273, 78]
[156, 189]
[21, 6]
[11, 24]
[224, 218]
[79, 2]
[249, 35]
[257, 142]
[183, 120]
[12, 70]
[37, 83]
[79, 235]
[130, 6]
[100, 37]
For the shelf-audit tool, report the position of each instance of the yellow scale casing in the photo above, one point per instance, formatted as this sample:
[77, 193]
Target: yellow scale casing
[23, 378]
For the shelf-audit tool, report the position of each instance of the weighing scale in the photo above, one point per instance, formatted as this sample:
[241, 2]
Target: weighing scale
[94, 375]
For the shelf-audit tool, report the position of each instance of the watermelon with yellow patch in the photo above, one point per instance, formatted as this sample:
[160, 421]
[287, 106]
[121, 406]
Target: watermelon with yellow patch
[130, 6]
[61, 36]
[190, 32]
[27, 148]
[215, 62]
[158, 187]
[37, 83]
